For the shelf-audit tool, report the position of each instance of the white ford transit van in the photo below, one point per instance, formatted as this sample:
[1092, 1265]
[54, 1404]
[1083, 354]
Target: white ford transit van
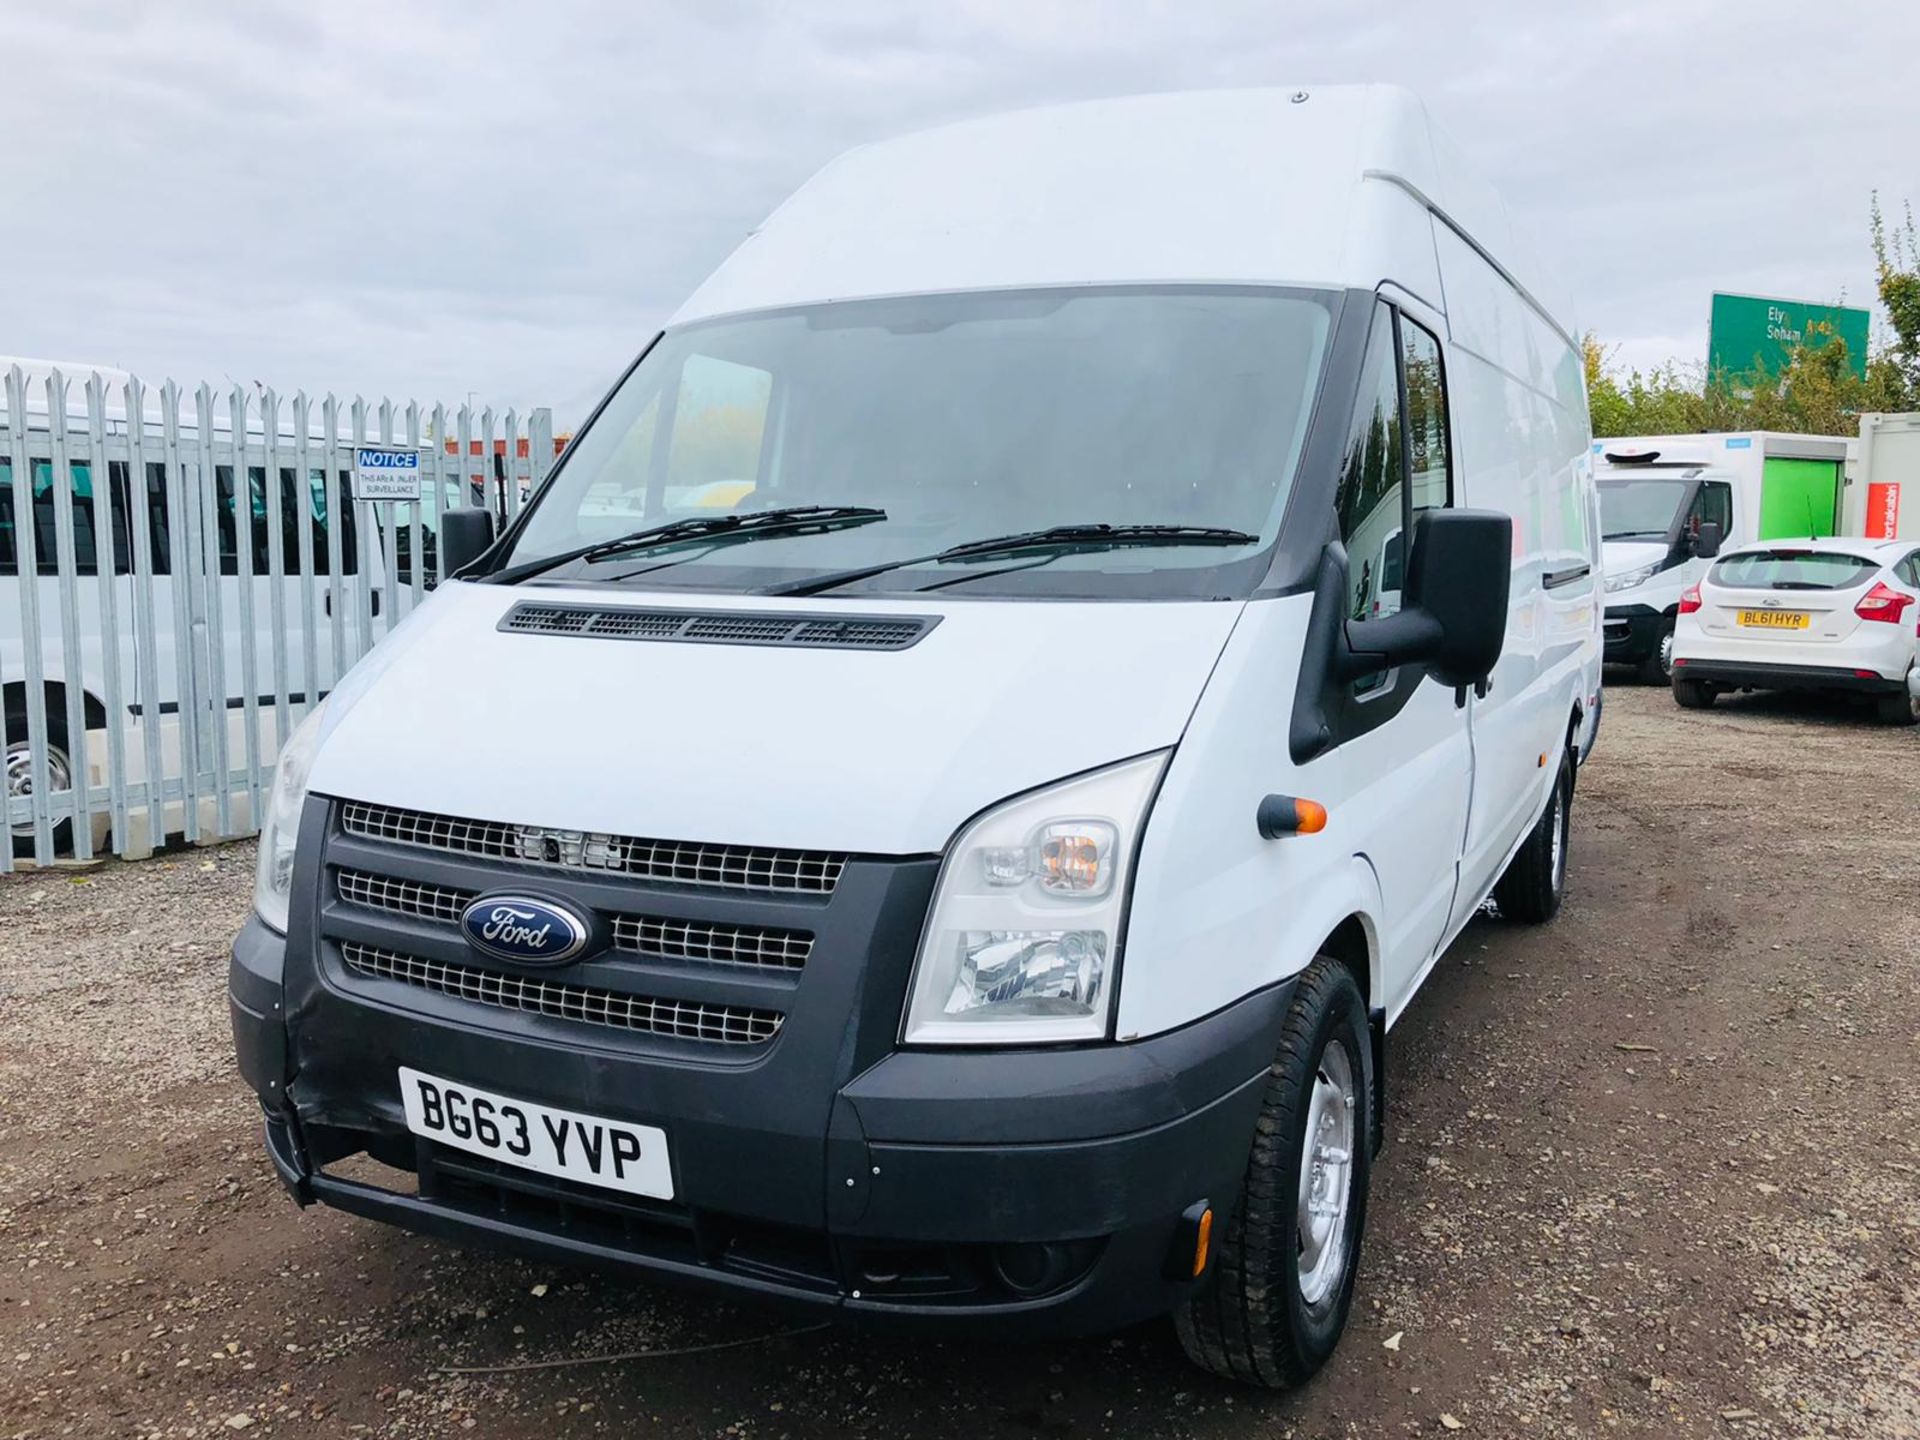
[970, 876]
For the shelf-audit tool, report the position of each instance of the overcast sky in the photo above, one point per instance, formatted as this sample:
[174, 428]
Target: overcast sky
[424, 199]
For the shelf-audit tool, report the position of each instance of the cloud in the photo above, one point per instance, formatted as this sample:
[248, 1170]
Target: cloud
[436, 198]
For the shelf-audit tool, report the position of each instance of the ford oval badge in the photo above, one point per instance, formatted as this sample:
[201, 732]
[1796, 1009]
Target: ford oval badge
[524, 929]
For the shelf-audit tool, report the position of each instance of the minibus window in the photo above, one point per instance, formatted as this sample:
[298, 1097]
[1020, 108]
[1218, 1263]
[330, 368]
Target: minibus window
[290, 513]
[45, 530]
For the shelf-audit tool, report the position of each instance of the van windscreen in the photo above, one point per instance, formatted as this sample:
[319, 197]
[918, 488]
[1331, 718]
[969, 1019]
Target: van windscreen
[962, 417]
[1639, 509]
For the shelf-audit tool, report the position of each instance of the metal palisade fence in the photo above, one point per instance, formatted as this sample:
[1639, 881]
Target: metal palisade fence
[183, 576]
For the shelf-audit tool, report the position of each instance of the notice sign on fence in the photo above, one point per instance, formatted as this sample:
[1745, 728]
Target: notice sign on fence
[383, 473]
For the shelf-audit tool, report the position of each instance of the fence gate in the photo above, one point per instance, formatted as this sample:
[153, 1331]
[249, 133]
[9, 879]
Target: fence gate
[183, 576]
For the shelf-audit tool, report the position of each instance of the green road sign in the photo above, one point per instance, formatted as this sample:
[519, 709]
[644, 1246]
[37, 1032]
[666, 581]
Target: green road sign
[1750, 330]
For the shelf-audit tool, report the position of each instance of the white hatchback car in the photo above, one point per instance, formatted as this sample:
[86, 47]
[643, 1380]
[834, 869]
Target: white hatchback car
[1833, 614]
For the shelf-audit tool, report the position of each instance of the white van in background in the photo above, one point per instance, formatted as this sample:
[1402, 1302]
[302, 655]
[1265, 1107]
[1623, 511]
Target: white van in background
[970, 879]
[1658, 491]
[74, 687]
[273, 625]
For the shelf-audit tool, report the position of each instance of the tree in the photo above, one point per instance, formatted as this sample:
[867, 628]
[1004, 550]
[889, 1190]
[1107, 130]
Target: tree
[1818, 393]
[1897, 257]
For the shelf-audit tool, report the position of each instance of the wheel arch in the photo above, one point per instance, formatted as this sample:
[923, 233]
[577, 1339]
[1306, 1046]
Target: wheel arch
[13, 699]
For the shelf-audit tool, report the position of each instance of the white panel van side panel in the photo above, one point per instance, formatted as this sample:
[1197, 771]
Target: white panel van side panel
[1519, 418]
[1218, 911]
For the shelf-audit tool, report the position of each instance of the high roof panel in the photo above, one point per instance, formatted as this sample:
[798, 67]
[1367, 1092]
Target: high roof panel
[1219, 186]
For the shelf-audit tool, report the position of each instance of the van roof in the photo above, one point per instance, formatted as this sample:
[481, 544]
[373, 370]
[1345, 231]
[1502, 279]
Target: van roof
[1266, 186]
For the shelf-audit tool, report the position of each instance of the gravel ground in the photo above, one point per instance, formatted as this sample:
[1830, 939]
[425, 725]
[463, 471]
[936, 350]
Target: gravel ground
[1653, 1170]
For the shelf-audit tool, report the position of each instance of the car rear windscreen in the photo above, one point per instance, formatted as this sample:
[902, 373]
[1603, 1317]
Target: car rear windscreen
[1793, 570]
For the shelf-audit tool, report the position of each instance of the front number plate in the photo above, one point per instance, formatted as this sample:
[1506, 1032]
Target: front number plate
[1776, 619]
[613, 1154]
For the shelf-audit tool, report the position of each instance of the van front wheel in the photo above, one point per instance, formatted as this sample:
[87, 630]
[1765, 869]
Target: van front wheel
[1272, 1305]
[1536, 877]
[19, 774]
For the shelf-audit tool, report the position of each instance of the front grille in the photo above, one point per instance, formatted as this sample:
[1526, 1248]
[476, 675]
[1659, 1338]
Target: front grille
[404, 897]
[681, 1019]
[656, 936]
[714, 944]
[678, 862]
[719, 627]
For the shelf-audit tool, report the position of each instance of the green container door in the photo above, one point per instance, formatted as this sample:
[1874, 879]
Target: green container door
[1798, 498]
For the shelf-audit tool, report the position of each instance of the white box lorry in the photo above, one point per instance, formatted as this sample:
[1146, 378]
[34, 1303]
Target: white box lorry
[1656, 491]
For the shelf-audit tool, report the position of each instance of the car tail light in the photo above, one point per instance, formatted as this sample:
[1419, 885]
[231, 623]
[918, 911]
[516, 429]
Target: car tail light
[1690, 600]
[1882, 603]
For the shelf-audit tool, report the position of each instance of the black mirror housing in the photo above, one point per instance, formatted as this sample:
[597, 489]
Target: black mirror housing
[1454, 619]
[1707, 542]
[465, 535]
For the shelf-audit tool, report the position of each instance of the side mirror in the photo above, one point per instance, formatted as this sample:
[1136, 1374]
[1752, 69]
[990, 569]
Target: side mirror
[465, 535]
[1454, 614]
[1707, 541]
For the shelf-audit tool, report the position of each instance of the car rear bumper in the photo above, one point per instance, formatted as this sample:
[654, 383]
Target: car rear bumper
[1043, 1191]
[1631, 633]
[1747, 675]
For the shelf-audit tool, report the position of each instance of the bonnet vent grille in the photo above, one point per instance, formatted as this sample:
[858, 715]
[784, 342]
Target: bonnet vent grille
[719, 627]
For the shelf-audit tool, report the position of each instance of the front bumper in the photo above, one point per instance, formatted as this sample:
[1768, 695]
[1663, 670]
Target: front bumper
[1631, 633]
[1035, 1191]
[1746, 675]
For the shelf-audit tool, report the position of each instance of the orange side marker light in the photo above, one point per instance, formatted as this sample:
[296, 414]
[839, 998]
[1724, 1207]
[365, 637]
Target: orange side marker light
[1201, 1241]
[1280, 815]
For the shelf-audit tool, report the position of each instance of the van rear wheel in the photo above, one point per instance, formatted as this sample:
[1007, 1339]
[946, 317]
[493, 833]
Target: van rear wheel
[1272, 1305]
[1536, 877]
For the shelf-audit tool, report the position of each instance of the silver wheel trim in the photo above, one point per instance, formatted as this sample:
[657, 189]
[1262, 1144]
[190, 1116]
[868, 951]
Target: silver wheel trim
[1559, 823]
[1666, 654]
[1326, 1177]
[20, 777]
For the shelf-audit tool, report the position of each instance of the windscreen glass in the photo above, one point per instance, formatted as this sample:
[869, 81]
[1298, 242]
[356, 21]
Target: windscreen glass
[1793, 570]
[1639, 509]
[963, 417]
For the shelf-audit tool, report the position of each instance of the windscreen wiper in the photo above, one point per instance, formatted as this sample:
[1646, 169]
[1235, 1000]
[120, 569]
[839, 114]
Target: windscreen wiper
[1057, 539]
[791, 520]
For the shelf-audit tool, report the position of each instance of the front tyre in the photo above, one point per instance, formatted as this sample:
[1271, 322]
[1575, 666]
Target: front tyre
[18, 763]
[1273, 1304]
[1536, 877]
[1657, 668]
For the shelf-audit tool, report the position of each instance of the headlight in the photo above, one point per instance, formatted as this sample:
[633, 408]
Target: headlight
[1024, 934]
[280, 826]
[1627, 579]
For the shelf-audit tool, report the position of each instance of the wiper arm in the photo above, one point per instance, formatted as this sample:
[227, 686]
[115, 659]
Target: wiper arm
[1057, 539]
[791, 520]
